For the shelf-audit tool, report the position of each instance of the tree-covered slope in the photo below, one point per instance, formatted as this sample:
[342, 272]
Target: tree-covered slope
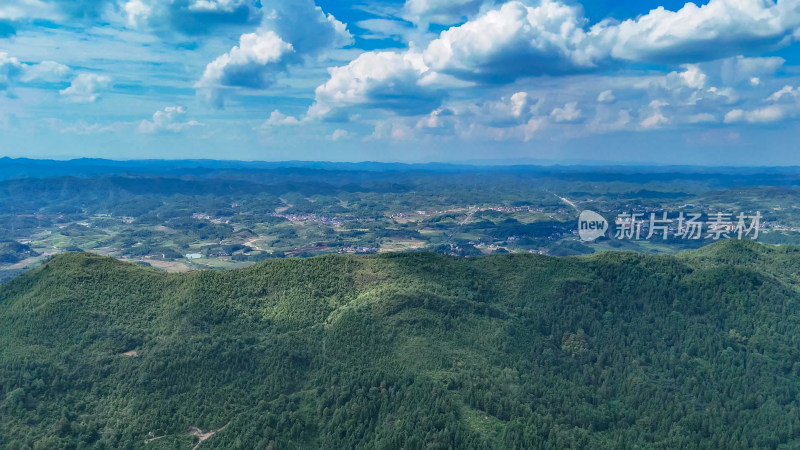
[416, 350]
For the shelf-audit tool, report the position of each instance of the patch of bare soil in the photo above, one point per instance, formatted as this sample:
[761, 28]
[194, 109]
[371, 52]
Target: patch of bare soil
[194, 431]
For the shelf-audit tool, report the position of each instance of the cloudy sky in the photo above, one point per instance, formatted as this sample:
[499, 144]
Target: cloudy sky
[620, 81]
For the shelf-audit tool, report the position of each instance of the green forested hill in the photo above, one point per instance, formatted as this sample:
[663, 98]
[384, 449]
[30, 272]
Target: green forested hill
[408, 351]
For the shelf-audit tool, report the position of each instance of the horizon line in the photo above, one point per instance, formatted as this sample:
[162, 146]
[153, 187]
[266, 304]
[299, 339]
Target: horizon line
[480, 163]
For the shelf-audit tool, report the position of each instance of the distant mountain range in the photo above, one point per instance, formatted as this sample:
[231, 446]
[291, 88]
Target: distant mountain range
[19, 167]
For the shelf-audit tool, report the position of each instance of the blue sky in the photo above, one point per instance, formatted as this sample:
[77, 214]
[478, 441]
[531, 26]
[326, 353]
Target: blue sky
[664, 82]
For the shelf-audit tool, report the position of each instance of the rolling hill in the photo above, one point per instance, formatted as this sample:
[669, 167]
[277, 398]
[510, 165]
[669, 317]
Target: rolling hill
[407, 351]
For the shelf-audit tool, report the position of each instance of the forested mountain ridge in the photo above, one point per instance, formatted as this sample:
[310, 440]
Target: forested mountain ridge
[408, 350]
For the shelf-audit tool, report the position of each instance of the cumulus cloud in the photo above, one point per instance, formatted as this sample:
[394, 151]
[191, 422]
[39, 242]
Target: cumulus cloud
[387, 80]
[437, 119]
[305, 25]
[656, 118]
[511, 117]
[724, 96]
[45, 71]
[13, 71]
[291, 32]
[567, 114]
[606, 97]
[10, 70]
[552, 38]
[169, 120]
[189, 16]
[512, 42]
[184, 16]
[507, 112]
[693, 77]
[277, 118]
[787, 92]
[255, 62]
[520, 103]
[772, 113]
[519, 39]
[215, 5]
[138, 13]
[339, 134]
[699, 33]
[84, 88]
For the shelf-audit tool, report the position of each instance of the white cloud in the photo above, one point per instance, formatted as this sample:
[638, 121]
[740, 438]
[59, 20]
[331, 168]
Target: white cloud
[10, 70]
[772, 113]
[519, 102]
[693, 77]
[551, 38]
[436, 119]
[509, 118]
[247, 64]
[386, 80]
[785, 92]
[291, 32]
[137, 13]
[278, 118]
[339, 134]
[656, 118]
[606, 97]
[13, 71]
[511, 42]
[715, 95]
[305, 25]
[717, 29]
[28, 9]
[193, 17]
[507, 112]
[84, 87]
[568, 114]
[216, 5]
[168, 120]
[45, 71]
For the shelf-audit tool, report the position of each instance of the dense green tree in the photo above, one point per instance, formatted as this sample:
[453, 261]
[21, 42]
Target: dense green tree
[413, 351]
